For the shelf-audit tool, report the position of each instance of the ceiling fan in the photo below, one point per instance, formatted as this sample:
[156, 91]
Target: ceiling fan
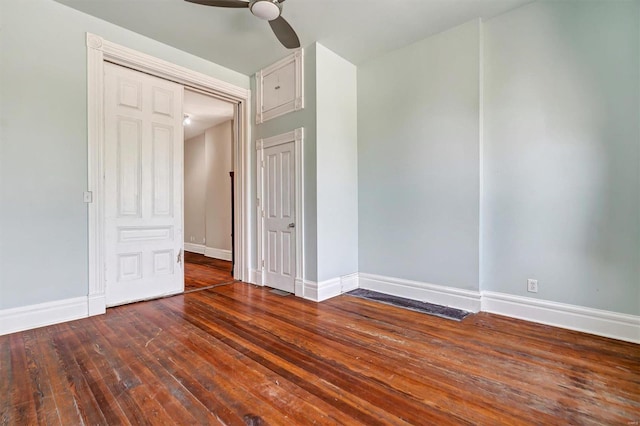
[268, 10]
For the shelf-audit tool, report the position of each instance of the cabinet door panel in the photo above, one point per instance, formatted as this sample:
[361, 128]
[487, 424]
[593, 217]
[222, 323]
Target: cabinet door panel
[270, 93]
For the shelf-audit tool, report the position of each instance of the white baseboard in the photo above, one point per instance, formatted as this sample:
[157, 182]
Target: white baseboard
[218, 253]
[299, 287]
[350, 282]
[97, 304]
[42, 314]
[255, 277]
[320, 291]
[588, 320]
[572, 317]
[213, 252]
[440, 295]
[310, 290]
[328, 288]
[194, 248]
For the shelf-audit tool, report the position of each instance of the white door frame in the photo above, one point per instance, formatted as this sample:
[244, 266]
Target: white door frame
[100, 50]
[297, 137]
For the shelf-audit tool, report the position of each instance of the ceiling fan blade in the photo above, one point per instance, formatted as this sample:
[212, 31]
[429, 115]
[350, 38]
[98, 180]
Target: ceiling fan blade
[285, 33]
[221, 3]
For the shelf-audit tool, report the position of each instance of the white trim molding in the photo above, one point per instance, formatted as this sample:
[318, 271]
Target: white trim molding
[349, 282]
[297, 137]
[308, 290]
[43, 314]
[327, 289]
[217, 253]
[255, 277]
[97, 304]
[588, 320]
[212, 252]
[298, 140]
[100, 50]
[467, 300]
[323, 290]
[297, 103]
[299, 287]
[194, 248]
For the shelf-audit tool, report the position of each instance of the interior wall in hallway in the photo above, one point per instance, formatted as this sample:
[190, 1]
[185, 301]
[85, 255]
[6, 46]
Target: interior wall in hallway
[195, 193]
[208, 161]
[218, 148]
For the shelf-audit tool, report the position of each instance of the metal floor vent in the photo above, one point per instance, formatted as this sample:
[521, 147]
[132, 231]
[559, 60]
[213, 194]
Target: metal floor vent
[279, 292]
[413, 305]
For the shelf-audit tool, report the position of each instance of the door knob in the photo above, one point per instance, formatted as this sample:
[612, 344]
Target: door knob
[292, 225]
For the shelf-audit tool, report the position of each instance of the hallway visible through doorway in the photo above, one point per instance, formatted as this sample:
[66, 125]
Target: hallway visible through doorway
[202, 272]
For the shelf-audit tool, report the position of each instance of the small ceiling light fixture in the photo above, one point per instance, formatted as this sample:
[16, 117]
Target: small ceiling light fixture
[266, 9]
[187, 120]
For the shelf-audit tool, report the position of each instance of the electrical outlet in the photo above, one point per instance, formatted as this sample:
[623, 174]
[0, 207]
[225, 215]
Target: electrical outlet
[532, 286]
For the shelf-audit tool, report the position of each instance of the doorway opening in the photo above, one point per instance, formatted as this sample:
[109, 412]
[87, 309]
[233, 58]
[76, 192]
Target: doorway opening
[280, 231]
[99, 53]
[209, 129]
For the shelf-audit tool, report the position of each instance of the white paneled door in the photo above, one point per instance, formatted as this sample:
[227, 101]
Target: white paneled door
[143, 186]
[279, 217]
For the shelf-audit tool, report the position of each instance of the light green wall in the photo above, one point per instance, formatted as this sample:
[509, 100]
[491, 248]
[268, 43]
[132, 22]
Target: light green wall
[195, 190]
[218, 145]
[418, 160]
[562, 153]
[560, 156]
[43, 153]
[306, 118]
[337, 165]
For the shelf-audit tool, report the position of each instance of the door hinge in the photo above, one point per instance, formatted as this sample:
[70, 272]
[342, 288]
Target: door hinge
[179, 257]
[262, 213]
[262, 263]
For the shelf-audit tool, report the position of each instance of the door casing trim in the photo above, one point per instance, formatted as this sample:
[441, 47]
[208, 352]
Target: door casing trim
[297, 137]
[100, 50]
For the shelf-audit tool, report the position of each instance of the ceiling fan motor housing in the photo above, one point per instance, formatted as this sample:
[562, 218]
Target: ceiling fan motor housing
[266, 9]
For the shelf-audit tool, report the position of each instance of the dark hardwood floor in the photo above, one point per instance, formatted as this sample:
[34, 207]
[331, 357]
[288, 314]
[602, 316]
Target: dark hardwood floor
[202, 272]
[238, 354]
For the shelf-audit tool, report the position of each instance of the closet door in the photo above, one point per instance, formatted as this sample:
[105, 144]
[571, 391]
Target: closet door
[279, 217]
[143, 186]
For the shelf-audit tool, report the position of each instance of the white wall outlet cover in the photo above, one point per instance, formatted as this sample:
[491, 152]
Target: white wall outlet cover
[532, 286]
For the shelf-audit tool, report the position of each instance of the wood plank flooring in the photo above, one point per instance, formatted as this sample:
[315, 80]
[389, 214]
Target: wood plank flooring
[238, 354]
[202, 272]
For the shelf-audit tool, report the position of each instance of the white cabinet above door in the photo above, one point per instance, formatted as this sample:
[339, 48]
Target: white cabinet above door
[280, 87]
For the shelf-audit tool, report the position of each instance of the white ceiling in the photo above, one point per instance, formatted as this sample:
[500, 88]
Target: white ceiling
[204, 111]
[355, 29]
